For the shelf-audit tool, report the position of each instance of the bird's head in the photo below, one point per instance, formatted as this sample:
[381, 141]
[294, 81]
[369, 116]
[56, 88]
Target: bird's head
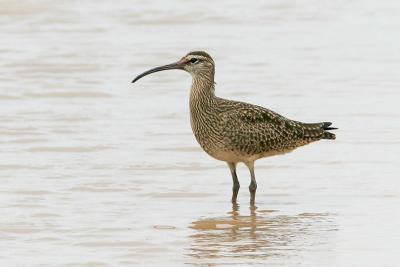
[197, 63]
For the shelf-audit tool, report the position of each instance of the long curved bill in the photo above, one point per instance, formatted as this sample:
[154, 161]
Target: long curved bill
[177, 65]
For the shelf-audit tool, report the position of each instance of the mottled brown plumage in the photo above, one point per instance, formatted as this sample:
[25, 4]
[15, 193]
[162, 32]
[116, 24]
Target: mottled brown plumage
[234, 131]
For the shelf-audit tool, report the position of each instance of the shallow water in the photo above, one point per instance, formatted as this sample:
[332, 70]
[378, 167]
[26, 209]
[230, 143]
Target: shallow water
[96, 171]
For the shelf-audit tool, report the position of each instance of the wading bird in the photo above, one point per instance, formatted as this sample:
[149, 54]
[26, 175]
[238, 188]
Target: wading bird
[234, 131]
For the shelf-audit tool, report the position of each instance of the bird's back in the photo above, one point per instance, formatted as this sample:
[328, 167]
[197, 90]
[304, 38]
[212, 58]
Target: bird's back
[250, 132]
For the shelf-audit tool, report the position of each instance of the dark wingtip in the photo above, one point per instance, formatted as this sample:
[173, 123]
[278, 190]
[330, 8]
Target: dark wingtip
[331, 128]
[326, 126]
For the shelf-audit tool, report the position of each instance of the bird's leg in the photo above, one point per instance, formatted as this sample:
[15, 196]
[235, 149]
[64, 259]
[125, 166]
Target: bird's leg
[236, 185]
[253, 183]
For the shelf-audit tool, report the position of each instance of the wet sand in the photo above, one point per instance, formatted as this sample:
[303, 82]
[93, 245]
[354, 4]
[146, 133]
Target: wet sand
[96, 171]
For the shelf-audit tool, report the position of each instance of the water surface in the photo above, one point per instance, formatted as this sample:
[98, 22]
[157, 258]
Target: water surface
[96, 171]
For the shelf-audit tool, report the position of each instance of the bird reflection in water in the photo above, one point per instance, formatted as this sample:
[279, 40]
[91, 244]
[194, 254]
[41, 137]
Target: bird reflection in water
[259, 235]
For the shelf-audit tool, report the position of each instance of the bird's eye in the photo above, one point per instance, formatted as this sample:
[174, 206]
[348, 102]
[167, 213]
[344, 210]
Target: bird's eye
[194, 60]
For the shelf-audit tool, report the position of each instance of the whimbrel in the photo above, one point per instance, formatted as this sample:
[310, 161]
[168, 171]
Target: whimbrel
[233, 131]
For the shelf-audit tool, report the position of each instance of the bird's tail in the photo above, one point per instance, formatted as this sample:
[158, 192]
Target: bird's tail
[326, 127]
[320, 130]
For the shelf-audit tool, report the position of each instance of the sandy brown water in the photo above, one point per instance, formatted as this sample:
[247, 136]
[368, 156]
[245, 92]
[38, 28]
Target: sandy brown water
[96, 171]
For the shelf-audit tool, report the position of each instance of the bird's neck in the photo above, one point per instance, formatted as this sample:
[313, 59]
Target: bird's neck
[202, 91]
[203, 107]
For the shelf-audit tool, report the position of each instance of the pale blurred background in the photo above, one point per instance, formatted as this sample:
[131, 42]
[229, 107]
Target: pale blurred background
[96, 171]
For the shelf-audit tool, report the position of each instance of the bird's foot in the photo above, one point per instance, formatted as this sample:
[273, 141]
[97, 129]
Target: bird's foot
[252, 189]
[235, 191]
